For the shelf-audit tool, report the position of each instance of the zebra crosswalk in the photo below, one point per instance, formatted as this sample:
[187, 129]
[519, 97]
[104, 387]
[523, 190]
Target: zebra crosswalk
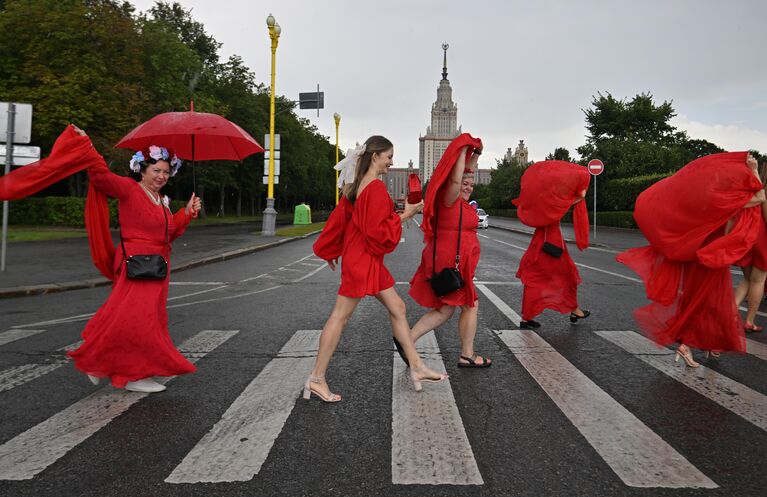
[431, 442]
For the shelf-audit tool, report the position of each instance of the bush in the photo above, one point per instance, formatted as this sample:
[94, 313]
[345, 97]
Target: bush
[616, 219]
[60, 211]
[621, 194]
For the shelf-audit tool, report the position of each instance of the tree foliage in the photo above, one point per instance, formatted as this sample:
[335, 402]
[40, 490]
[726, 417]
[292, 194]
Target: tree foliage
[106, 68]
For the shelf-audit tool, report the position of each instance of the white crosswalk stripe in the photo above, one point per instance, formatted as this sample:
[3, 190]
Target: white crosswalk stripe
[24, 373]
[17, 334]
[239, 443]
[743, 401]
[429, 442]
[637, 454]
[29, 453]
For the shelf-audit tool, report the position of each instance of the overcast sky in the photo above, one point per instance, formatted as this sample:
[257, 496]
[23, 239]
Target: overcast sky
[519, 70]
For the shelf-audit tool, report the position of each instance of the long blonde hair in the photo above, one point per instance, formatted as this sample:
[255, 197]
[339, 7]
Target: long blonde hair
[376, 144]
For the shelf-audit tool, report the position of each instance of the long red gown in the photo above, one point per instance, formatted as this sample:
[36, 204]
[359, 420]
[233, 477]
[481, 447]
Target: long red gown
[447, 240]
[128, 338]
[362, 234]
[686, 267]
[549, 189]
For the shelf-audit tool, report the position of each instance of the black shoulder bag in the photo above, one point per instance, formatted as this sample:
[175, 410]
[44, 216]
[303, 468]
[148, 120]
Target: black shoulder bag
[449, 279]
[550, 248]
[146, 266]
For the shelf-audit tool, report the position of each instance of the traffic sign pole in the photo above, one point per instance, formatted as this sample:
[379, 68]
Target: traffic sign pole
[595, 168]
[8, 161]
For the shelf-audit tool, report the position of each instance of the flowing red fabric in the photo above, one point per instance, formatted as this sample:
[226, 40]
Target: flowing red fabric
[685, 268]
[362, 234]
[441, 174]
[548, 190]
[71, 153]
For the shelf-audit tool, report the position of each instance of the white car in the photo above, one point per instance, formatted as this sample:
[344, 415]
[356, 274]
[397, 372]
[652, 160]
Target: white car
[483, 218]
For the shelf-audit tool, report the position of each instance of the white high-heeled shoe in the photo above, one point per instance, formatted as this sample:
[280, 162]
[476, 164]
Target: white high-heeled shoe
[417, 379]
[94, 379]
[685, 353]
[309, 390]
[146, 385]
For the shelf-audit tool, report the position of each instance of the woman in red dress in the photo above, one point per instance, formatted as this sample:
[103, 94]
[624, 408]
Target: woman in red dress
[447, 206]
[127, 340]
[754, 267]
[549, 275]
[686, 267]
[361, 230]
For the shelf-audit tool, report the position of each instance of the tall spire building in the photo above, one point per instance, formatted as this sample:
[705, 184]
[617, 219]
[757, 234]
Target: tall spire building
[444, 126]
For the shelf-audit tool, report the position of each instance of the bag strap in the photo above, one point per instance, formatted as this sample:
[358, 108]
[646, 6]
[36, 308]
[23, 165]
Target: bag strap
[458, 248]
[119, 227]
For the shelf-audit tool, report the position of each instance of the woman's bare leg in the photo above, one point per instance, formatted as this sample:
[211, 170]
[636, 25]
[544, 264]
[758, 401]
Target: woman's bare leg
[755, 293]
[431, 320]
[742, 289]
[331, 335]
[467, 329]
[401, 331]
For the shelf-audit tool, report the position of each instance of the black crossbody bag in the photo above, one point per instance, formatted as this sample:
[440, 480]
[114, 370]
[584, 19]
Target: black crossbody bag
[146, 266]
[550, 248]
[449, 279]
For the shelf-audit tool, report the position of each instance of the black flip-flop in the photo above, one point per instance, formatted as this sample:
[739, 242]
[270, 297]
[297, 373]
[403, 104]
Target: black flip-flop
[472, 364]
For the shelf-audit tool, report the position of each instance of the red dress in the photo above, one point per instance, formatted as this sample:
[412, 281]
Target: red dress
[128, 338]
[447, 240]
[361, 234]
[550, 282]
[686, 267]
[757, 256]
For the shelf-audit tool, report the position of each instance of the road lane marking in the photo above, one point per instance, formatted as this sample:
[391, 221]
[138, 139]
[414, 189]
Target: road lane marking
[733, 396]
[760, 313]
[429, 442]
[197, 293]
[501, 305]
[197, 283]
[636, 280]
[30, 452]
[637, 455]
[302, 278]
[24, 373]
[228, 297]
[757, 349]
[236, 447]
[14, 334]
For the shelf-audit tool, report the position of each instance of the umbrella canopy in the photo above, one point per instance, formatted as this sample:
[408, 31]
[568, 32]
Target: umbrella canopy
[195, 136]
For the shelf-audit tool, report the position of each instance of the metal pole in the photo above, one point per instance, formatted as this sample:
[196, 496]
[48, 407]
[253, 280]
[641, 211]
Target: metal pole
[595, 207]
[318, 101]
[337, 119]
[270, 214]
[8, 160]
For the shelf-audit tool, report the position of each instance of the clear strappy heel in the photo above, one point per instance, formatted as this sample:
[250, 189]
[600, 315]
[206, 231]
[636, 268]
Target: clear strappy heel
[309, 390]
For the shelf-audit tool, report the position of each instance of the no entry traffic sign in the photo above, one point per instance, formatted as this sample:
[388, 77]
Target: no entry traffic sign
[596, 167]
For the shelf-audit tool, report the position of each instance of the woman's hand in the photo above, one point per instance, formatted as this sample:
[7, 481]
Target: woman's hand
[193, 206]
[79, 131]
[411, 210]
[332, 263]
[751, 162]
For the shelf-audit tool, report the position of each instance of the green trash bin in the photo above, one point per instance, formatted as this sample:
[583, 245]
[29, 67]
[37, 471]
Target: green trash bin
[302, 214]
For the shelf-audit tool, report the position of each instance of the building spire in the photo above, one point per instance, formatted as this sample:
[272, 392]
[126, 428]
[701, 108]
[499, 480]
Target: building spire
[445, 46]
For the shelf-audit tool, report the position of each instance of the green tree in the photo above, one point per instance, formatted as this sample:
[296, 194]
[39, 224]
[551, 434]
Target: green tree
[560, 153]
[504, 184]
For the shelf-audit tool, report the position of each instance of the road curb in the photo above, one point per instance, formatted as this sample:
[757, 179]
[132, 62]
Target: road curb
[23, 291]
[525, 232]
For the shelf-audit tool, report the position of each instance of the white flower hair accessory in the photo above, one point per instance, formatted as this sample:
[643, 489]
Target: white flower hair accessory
[175, 165]
[348, 166]
[136, 160]
[166, 201]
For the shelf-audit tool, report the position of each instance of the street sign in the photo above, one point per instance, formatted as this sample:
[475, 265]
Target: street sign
[596, 167]
[23, 123]
[313, 100]
[22, 154]
[276, 142]
[276, 167]
[276, 180]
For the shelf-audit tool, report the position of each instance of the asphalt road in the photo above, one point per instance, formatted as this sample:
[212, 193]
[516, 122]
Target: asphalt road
[586, 409]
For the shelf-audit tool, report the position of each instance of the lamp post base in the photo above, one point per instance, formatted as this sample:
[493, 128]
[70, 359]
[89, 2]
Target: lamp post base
[269, 220]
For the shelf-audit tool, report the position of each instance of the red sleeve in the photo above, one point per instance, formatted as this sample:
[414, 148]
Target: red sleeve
[181, 219]
[108, 182]
[330, 243]
[381, 227]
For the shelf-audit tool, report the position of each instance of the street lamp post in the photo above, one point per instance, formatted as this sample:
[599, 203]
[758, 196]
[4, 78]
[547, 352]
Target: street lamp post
[337, 119]
[270, 215]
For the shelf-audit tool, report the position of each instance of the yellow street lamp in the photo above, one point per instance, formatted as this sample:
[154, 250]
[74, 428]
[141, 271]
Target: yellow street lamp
[270, 215]
[337, 119]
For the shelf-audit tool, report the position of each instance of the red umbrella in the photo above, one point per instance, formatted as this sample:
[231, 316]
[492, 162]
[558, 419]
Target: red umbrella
[195, 136]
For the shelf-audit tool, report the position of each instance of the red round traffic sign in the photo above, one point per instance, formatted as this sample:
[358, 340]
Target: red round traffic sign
[596, 167]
